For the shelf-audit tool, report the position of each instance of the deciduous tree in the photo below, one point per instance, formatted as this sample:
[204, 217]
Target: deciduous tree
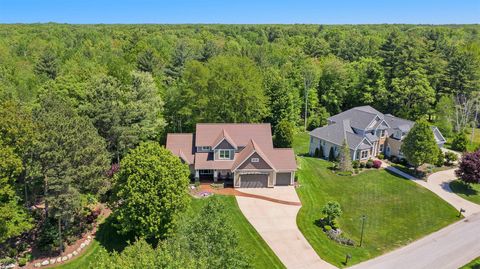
[419, 145]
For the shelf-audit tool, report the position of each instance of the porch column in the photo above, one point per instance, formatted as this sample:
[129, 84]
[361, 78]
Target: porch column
[215, 175]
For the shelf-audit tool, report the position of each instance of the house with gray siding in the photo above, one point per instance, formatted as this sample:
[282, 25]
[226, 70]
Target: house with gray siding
[367, 132]
[242, 154]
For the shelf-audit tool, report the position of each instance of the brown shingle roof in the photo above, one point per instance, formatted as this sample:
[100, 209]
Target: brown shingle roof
[251, 147]
[240, 133]
[182, 146]
[224, 136]
[204, 160]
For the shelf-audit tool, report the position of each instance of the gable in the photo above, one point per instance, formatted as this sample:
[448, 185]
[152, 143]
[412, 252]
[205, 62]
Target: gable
[261, 164]
[224, 145]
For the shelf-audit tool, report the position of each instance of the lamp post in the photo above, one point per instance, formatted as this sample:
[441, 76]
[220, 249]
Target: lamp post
[347, 257]
[363, 226]
[460, 212]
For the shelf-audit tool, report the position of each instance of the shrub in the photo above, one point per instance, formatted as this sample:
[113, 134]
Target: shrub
[369, 163]
[450, 157]
[440, 158]
[331, 155]
[327, 228]
[362, 165]
[356, 170]
[22, 262]
[356, 164]
[459, 142]
[381, 156]
[317, 153]
[217, 185]
[7, 261]
[377, 164]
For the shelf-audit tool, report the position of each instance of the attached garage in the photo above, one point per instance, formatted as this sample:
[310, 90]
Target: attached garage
[254, 181]
[283, 179]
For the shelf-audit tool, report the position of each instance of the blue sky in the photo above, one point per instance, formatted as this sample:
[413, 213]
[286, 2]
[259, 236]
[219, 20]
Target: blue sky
[246, 11]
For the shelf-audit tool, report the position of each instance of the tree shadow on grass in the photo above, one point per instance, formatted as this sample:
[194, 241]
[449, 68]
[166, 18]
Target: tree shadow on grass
[460, 187]
[109, 238]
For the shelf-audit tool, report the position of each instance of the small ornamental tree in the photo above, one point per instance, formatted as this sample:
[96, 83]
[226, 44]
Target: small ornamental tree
[331, 211]
[345, 163]
[469, 167]
[440, 159]
[459, 142]
[321, 154]
[150, 191]
[419, 146]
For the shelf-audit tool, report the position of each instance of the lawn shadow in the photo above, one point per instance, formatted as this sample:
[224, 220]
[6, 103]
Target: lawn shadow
[109, 238]
[460, 187]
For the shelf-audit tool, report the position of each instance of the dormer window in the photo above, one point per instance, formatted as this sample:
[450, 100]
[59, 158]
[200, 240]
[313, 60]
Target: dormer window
[205, 148]
[224, 154]
[382, 133]
[255, 160]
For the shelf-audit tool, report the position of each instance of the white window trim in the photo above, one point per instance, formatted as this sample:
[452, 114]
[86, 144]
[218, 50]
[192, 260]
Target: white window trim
[255, 160]
[220, 151]
[361, 154]
[205, 148]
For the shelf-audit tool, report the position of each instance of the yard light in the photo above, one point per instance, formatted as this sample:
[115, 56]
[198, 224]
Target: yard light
[460, 212]
[363, 226]
[347, 257]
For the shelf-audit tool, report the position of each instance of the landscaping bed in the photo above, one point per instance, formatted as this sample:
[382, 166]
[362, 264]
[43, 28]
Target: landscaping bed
[397, 211]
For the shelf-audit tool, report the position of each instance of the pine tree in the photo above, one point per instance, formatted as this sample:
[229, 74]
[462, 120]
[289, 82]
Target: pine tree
[419, 145]
[331, 155]
[47, 65]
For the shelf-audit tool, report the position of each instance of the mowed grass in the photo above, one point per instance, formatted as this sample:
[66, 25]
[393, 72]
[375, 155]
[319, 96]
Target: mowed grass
[255, 247]
[470, 192]
[301, 143]
[475, 264]
[398, 211]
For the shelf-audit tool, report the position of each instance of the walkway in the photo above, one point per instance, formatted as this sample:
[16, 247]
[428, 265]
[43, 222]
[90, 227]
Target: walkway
[451, 247]
[276, 223]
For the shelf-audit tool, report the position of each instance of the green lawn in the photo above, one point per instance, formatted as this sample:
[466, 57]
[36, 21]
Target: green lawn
[398, 211]
[250, 240]
[470, 192]
[254, 245]
[475, 264]
[301, 143]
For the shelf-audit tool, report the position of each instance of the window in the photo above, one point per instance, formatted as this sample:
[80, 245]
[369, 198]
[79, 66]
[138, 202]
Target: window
[381, 148]
[382, 133]
[205, 148]
[255, 160]
[205, 172]
[224, 154]
[364, 154]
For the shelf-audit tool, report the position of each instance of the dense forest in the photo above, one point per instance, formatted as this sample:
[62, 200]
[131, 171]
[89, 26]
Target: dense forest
[75, 98]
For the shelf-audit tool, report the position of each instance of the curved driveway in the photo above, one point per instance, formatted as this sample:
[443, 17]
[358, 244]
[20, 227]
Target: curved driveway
[276, 223]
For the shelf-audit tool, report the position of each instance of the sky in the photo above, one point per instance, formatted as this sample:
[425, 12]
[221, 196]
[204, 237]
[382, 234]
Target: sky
[241, 11]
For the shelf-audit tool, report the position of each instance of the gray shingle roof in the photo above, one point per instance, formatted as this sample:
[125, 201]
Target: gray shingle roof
[337, 132]
[360, 117]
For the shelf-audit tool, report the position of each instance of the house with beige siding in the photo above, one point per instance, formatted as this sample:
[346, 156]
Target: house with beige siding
[240, 154]
[367, 132]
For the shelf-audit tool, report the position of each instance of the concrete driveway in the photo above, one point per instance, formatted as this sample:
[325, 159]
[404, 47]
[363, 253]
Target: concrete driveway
[276, 223]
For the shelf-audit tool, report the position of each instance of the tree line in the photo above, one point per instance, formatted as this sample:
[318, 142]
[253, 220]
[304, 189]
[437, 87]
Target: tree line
[75, 99]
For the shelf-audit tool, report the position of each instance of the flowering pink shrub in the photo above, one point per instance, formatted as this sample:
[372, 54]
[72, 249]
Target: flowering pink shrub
[377, 164]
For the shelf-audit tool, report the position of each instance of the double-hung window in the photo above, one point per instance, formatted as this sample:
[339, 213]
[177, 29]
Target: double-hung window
[364, 154]
[224, 154]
